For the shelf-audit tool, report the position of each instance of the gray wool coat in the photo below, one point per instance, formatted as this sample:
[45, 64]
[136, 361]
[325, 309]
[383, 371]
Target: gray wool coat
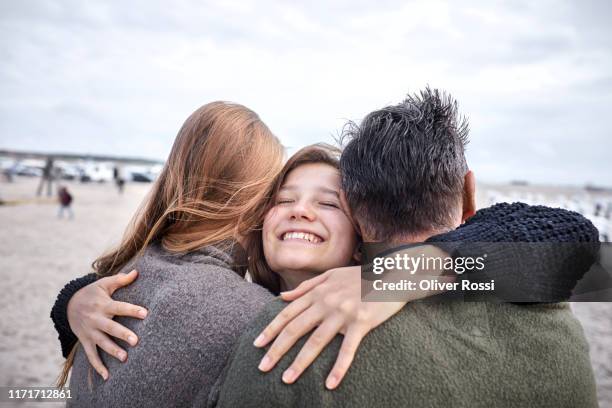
[198, 306]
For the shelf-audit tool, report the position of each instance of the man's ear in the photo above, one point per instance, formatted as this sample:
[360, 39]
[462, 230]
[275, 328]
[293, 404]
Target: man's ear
[469, 196]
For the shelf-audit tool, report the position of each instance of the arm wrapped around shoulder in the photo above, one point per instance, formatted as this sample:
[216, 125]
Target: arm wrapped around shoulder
[534, 253]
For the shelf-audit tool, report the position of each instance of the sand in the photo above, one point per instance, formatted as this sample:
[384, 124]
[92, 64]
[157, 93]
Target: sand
[39, 253]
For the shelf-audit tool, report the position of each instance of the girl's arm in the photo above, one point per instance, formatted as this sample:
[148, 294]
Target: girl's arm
[59, 313]
[535, 253]
[331, 303]
[84, 311]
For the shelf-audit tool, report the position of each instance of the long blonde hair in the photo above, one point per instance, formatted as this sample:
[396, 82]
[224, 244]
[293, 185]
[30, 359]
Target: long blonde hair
[213, 187]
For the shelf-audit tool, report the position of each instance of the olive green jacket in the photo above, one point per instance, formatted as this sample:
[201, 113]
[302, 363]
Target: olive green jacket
[450, 354]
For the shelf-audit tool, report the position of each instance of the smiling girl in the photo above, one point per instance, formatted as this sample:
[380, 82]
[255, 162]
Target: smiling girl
[307, 228]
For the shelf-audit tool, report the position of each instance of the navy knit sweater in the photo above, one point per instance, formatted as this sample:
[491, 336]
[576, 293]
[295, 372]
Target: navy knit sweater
[538, 274]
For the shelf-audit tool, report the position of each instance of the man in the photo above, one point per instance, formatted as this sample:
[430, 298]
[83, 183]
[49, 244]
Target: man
[406, 179]
[46, 176]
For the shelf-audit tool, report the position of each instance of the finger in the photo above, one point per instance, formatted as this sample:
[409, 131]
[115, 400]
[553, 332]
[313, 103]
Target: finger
[116, 308]
[304, 287]
[301, 325]
[313, 347]
[117, 330]
[106, 344]
[351, 342]
[281, 320]
[120, 280]
[94, 359]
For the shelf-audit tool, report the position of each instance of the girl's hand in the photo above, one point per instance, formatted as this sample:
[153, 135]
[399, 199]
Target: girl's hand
[90, 315]
[331, 301]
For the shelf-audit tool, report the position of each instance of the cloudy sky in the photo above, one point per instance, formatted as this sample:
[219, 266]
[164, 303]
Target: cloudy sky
[534, 78]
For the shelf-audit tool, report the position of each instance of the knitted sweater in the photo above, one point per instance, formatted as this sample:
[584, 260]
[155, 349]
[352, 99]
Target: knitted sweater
[198, 307]
[535, 253]
[450, 354]
[503, 222]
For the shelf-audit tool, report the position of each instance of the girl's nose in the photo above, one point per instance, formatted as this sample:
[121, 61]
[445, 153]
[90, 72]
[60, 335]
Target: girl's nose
[303, 211]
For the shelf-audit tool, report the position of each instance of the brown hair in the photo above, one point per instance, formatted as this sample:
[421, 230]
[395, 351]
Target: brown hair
[257, 266]
[213, 187]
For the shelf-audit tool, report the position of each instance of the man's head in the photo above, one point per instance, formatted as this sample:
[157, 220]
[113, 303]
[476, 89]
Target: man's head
[404, 171]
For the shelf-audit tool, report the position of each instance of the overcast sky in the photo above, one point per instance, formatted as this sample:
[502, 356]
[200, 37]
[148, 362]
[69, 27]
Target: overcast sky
[534, 78]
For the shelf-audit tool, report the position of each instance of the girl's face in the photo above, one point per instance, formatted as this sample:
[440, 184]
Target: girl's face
[308, 232]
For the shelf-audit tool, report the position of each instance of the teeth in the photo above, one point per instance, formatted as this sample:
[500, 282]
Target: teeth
[302, 235]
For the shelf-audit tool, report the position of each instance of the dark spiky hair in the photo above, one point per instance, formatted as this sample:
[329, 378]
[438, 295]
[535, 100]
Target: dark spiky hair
[403, 166]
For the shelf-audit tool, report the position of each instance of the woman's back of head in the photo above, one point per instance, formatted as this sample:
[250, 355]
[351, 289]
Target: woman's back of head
[213, 186]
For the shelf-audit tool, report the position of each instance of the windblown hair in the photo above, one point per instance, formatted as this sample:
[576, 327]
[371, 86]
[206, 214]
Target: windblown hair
[212, 187]
[257, 266]
[411, 155]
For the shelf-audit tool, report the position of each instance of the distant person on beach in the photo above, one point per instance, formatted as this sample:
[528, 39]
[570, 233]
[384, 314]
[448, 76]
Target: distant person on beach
[65, 202]
[47, 177]
[191, 269]
[8, 174]
[119, 178]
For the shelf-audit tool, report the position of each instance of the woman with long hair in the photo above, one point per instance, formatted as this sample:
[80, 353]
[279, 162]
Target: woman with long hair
[185, 241]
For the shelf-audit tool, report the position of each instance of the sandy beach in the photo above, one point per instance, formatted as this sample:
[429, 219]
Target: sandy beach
[39, 253]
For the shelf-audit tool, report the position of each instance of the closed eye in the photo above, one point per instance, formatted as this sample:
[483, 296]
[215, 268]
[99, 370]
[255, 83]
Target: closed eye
[330, 204]
[283, 201]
